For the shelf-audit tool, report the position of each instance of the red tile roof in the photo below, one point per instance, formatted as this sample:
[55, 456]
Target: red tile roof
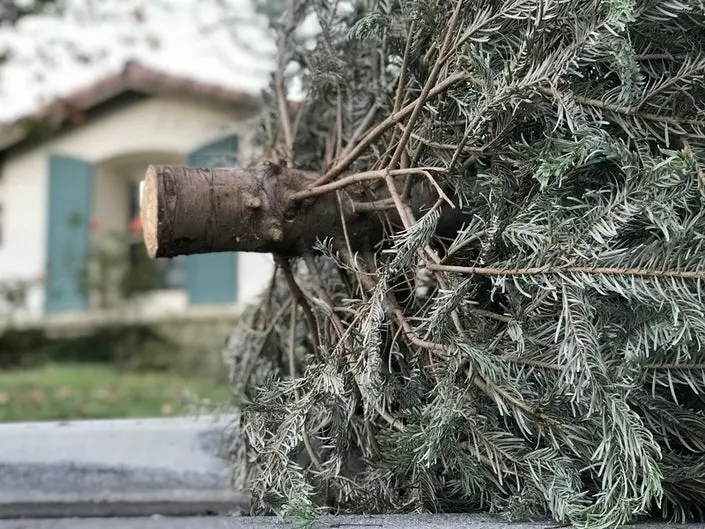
[70, 109]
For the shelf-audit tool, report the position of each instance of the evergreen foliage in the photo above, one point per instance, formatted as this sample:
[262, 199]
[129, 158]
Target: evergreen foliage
[549, 358]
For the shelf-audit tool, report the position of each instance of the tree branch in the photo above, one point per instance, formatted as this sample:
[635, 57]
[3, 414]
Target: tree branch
[385, 125]
[629, 111]
[380, 174]
[592, 270]
[430, 82]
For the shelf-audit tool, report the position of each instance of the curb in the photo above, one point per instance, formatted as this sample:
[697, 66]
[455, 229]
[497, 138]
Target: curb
[132, 467]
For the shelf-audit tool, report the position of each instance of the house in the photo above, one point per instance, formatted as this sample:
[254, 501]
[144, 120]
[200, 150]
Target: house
[69, 184]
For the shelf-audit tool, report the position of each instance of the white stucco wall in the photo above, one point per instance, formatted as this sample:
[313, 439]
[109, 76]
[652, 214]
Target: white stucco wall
[23, 196]
[255, 272]
[129, 137]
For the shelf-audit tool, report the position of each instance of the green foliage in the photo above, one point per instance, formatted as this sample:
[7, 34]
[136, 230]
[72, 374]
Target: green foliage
[110, 278]
[560, 368]
[133, 347]
[22, 348]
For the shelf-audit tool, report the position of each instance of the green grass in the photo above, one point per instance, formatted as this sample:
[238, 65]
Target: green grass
[87, 391]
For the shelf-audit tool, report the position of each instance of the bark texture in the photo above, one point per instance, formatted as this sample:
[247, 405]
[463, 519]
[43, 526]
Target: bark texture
[262, 209]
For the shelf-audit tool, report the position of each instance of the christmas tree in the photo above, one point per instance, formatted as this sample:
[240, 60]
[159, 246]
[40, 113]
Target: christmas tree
[491, 254]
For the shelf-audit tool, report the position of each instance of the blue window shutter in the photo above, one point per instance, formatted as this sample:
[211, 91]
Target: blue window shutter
[68, 233]
[212, 277]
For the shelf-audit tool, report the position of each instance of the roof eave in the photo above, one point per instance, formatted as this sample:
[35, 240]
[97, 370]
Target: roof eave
[134, 77]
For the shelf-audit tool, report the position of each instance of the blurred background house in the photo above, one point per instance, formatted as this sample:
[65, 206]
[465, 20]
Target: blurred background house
[91, 93]
[69, 195]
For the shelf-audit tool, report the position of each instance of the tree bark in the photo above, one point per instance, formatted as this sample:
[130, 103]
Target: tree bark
[198, 210]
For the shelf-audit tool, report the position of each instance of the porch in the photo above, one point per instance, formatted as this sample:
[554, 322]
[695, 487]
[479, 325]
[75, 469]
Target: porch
[96, 257]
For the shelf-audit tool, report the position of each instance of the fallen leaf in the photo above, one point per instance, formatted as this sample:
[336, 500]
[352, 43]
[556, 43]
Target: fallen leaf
[65, 392]
[107, 395]
[35, 396]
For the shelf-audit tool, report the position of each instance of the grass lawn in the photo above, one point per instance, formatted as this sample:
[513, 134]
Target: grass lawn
[86, 391]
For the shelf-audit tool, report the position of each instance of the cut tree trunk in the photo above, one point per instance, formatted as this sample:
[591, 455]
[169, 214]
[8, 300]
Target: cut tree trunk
[264, 209]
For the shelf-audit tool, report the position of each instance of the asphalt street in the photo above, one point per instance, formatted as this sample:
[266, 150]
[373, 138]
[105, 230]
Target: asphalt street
[337, 522]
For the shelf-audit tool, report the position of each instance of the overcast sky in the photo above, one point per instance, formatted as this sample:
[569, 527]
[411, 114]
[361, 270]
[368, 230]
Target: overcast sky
[210, 40]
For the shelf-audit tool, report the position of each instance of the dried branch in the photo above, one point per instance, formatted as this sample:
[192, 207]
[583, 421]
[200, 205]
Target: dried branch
[430, 83]
[385, 125]
[563, 270]
[630, 111]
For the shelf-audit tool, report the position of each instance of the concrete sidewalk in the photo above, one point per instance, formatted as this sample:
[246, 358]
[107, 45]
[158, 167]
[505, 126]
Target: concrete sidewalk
[115, 468]
[338, 522]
